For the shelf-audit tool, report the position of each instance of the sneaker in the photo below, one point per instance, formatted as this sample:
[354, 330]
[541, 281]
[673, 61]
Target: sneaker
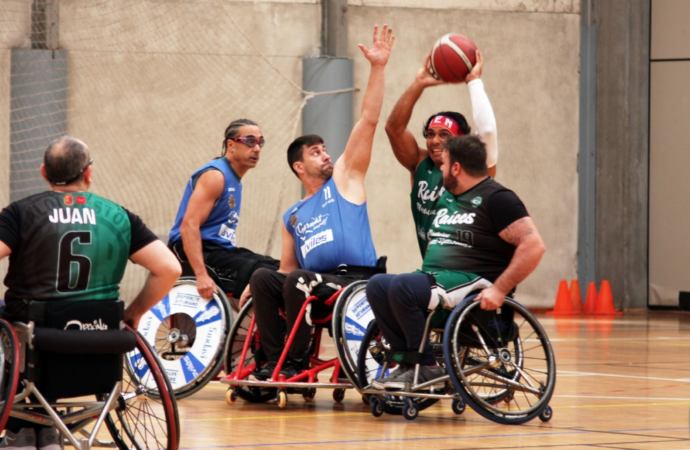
[380, 382]
[291, 368]
[24, 439]
[48, 439]
[266, 371]
[426, 373]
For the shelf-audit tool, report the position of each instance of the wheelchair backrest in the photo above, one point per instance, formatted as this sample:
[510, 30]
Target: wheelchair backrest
[77, 346]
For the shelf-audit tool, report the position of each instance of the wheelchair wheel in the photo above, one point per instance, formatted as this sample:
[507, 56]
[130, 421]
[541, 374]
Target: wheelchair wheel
[500, 355]
[141, 421]
[238, 336]
[189, 334]
[370, 361]
[9, 370]
[351, 316]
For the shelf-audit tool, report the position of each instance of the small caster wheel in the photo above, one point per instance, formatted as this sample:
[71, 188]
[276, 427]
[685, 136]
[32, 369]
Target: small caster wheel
[410, 411]
[509, 398]
[309, 394]
[338, 395]
[282, 399]
[458, 406]
[230, 396]
[546, 414]
[376, 406]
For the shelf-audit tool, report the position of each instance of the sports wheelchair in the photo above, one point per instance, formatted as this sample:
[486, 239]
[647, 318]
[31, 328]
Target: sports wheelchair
[76, 350]
[346, 317]
[190, 333]
[499, 362]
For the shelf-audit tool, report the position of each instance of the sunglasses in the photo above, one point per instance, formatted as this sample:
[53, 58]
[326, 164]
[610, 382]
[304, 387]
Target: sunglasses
[251, 141]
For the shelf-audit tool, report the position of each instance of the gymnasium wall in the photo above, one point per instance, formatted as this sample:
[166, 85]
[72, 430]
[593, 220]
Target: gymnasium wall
[669, 214]
[152, 85]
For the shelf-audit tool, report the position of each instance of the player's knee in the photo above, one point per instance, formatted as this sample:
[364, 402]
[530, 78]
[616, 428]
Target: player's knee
[260, 276]
[377, 289]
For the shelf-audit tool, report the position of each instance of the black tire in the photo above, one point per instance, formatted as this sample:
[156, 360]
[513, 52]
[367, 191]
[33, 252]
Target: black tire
[9, 370]
[141, 421]
[370, 360]
[522, 369]
[236, 340]
[189, 361]
[349, 327]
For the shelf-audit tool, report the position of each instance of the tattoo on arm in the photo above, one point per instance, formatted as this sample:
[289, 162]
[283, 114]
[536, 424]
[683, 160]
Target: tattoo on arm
[517, 231]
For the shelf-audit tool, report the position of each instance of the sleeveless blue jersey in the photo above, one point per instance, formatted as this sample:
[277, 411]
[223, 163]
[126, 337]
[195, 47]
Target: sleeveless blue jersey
[221, 223]
[329, 231]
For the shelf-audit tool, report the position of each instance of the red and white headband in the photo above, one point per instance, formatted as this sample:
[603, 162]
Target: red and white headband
[447, 123]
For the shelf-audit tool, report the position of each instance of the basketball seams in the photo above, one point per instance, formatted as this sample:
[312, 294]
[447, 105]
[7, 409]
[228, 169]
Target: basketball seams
[456, 48]
[449, 61]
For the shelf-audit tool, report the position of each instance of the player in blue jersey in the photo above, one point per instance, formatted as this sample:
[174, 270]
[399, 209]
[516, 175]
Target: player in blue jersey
[328, 228]
[206, 222]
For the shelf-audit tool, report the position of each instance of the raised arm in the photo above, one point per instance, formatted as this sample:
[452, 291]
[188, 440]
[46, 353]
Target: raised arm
[351, 167]
[529, 248]
[208, 189]
[404, 145]
[483, 114]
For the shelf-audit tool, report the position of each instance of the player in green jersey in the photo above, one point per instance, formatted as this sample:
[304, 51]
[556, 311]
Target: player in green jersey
[69, 244]
[481, 237]
[424, 163]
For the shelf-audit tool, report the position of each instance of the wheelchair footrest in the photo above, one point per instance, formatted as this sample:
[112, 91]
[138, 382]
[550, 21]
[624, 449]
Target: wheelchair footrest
[285, 384]
[417, 394]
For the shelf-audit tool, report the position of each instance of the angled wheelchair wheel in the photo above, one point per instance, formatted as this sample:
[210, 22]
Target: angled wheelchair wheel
[501, 362]
[189, 334]
[351, 317]
[239, 334]
[370, 366]
[9, 370]
[141, 421]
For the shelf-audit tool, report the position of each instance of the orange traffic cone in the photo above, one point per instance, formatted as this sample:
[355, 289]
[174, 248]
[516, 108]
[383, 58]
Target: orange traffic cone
[591, 299]
[605, 303]
[563, 306]
[576, 296]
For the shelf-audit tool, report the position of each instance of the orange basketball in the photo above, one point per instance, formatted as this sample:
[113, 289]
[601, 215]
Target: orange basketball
[452, 58]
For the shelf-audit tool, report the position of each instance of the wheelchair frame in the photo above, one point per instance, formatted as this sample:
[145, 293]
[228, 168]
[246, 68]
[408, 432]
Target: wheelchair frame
[111, 409]
[487, 372]
[305, 382]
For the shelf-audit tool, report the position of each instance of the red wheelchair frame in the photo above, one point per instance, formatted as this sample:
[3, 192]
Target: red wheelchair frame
[306, 381]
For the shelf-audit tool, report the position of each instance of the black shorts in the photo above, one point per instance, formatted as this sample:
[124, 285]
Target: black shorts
[233, 267]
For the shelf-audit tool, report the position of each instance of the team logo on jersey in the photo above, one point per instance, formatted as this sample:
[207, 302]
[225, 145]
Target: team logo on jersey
[476, 201]
[293, 220]
[68, 199]
[231, 202]
[81, 200]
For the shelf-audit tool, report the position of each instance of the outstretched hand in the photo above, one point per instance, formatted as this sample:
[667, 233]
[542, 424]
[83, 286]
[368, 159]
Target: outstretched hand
[380, 51]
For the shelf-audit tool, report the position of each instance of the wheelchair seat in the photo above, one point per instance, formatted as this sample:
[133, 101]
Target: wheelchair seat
[73, 349]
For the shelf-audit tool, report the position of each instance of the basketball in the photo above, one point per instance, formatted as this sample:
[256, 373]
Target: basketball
[452, 58]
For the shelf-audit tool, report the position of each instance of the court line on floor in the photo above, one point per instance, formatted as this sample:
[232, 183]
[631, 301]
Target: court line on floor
[658, 439]
[612, 397]
[595, 374]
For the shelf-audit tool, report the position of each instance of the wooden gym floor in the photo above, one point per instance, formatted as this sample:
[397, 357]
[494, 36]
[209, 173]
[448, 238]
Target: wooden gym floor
[622, 383]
